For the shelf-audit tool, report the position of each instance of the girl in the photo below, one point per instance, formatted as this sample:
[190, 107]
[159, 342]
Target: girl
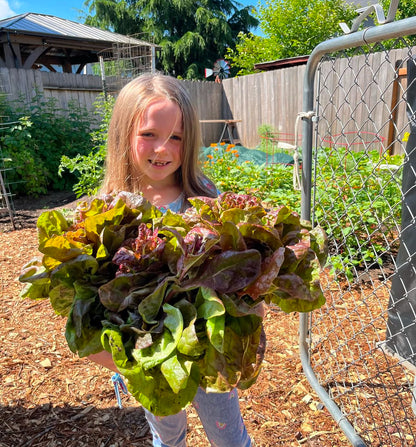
[153, 149]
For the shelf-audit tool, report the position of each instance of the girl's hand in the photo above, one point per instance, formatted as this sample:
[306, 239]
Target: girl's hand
[263, 309]
[105, 359]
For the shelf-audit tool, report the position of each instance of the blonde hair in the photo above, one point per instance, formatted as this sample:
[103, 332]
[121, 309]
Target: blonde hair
[129, 108]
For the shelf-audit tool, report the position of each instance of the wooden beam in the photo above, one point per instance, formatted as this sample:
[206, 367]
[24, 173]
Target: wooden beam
[56, 60]
[80, 68]
[11, 56]
[33, 56]
[59, 42]
[52, 69]
[401, 72]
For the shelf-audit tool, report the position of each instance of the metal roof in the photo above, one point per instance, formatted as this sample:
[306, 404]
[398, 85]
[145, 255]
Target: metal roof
[282, 63]
[47, 25]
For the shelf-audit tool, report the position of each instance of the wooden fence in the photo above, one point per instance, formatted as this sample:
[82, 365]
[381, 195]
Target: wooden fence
[273, 97]
[22, 85]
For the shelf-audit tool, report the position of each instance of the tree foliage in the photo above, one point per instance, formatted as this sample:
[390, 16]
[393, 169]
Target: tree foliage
[192, 34]
[405, 9]
[291, 28]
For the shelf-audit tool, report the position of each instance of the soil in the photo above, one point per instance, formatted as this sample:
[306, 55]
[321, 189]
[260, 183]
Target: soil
[50, 397]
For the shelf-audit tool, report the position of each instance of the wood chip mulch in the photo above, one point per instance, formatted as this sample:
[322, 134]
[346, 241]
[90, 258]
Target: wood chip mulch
[50, 397]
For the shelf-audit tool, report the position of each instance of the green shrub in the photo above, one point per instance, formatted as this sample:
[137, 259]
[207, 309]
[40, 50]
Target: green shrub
[89, 168]
[36, 144]
[356, 195]
[266, 132]
[23, 172]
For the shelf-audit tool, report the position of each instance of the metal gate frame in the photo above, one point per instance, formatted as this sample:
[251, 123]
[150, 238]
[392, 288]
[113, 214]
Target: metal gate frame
[354, 39]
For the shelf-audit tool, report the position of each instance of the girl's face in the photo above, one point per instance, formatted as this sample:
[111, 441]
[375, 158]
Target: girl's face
[157, 144]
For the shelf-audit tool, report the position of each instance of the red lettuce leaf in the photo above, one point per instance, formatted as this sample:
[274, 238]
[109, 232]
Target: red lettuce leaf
[229, 271]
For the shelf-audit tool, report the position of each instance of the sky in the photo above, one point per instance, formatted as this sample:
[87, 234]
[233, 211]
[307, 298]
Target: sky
[70, 10]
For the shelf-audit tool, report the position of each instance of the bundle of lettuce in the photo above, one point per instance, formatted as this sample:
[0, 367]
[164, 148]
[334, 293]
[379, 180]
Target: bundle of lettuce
[177, 299]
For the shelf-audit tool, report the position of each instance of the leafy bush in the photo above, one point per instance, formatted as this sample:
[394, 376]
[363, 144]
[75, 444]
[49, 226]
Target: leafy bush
[89, 168]
[23, 172]
[266, 131]
[34, 146]
[356, 195]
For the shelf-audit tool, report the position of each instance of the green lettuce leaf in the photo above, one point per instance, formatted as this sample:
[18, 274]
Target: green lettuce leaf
[208, 304]
[163, 345]
[176, 372]
[83, 328]
[36, 279]
[50, 223]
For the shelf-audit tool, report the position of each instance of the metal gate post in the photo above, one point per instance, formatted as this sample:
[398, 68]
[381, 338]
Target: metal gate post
[334, 410]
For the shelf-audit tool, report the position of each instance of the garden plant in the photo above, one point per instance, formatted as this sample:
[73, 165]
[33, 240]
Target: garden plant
[32, 145]
[176, 298]
[89, 167]
[370, 194]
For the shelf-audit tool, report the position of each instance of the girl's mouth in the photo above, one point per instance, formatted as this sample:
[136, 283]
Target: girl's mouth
[159, 163]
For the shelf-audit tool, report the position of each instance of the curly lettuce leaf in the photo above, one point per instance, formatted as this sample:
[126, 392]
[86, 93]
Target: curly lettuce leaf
[127, 291]
[208, 304]
[269, 271]
[176, 371]
[240, 361]
[83, 328]
[36, 279]
[229, 271]
[163, 346]
[189, 344]
[51, 223]
[319, 244]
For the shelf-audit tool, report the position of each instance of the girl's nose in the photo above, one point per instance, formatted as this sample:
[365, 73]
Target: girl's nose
[159, 148]
[160, 145]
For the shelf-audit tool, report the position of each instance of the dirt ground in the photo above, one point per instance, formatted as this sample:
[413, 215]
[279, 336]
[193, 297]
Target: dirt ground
[50, 397]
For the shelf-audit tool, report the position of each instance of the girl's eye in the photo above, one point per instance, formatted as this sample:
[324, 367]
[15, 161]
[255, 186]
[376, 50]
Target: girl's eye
[145, 134]
[176, 137]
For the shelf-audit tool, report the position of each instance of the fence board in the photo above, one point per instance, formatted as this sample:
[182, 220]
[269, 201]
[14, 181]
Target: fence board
[207, 97]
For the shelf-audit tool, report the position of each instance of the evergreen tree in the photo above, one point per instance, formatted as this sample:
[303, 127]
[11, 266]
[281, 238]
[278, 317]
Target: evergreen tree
[192, 33]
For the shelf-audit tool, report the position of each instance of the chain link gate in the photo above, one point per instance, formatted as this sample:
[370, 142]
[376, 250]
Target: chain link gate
[359, 182]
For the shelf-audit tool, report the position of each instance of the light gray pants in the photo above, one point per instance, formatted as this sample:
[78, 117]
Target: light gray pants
[220, 416]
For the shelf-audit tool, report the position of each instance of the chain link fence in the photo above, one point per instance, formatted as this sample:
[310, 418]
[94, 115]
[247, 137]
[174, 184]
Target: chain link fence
[359, 183]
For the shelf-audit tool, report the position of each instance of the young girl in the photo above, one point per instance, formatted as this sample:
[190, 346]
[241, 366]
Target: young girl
[153, 149]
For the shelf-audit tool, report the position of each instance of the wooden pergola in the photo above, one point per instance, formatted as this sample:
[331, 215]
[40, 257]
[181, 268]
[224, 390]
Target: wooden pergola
[33, 41]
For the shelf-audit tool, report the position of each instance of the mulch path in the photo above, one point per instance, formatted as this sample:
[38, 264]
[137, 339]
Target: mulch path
[50, 397]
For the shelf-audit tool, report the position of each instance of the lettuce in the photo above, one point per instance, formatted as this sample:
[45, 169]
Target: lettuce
[175, 298]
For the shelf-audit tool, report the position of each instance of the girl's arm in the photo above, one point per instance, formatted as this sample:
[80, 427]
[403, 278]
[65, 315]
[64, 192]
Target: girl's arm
[105, 359]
